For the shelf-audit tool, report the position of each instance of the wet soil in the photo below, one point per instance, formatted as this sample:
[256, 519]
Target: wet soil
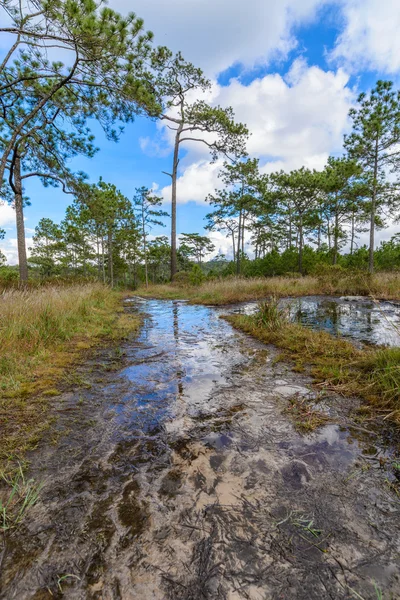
[178, 474]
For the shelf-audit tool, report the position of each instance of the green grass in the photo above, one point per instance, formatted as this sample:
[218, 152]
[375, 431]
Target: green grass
[239, 289]
[335, 364]
[17, 496]
[44, 332]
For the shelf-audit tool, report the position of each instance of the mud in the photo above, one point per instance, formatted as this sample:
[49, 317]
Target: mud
[178, 474]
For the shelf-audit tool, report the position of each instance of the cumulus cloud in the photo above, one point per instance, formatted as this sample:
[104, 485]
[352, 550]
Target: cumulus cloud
[9, 248]
[197, 181]
[214, 35]
[294, 120]
[370, 38]
[7, 215]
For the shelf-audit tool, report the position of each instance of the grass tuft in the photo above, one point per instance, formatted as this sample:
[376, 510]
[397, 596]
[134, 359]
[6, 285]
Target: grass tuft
[17, 497]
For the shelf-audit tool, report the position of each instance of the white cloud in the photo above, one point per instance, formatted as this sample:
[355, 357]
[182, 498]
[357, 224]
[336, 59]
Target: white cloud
[370, 38]
[7, 215]
[294, 120]
[9, 247]
[197, 181]
[216, 34]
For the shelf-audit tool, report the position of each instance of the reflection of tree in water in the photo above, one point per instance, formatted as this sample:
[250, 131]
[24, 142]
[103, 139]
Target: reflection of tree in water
[175, 320]
[331, 315]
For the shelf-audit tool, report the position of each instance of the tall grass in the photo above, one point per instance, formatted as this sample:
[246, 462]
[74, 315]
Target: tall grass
[17, 497]
[43, 332]
[239, 289]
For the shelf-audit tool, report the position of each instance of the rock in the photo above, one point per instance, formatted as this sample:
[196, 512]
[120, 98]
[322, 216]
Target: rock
[354, 298]
[291, 390]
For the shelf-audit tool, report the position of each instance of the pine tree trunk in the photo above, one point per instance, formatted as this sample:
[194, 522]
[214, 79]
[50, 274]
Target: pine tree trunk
[301, 246]
[233, 246]
[103, 268]
[239, 243]
[145, 247]
[336, 233]
[19, 215]
[352, 232]
[110, 258]
[174, 261]
[373, 212]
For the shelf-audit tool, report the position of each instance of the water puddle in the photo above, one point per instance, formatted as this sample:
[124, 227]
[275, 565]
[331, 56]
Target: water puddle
[190, 482]
[355, 317]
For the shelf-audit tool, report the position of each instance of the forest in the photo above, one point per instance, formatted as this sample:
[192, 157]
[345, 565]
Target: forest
[278, 222]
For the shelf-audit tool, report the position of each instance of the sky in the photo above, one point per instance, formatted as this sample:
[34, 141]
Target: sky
[290, 69]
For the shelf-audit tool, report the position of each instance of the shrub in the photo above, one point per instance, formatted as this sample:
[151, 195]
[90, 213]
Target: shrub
[196, 275]
[181, 279]
[270, 316]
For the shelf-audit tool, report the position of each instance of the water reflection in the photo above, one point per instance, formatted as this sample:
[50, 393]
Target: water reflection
[176, 363]
[362, 320]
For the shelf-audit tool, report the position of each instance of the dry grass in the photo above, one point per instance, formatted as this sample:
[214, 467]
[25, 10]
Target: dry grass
[43, 333]
[236, 289]
[305, 417]
[372, 373]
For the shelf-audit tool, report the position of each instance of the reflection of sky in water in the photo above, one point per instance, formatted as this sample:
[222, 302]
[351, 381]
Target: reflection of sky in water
[362, 320]
[366, 321]
[177, 360]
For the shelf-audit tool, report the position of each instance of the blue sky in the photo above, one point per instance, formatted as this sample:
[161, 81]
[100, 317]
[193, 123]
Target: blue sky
[290, 69]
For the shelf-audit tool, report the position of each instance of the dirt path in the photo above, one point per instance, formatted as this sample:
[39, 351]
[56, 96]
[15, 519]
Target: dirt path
[180, 477]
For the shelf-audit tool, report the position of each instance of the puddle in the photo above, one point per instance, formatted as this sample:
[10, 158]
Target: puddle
[190, 482]
[355, 317]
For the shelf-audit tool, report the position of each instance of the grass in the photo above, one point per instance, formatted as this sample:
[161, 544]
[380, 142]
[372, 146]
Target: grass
[17, 497]
[372, 373]
[238, 289]
[43, 333]
[305, 418]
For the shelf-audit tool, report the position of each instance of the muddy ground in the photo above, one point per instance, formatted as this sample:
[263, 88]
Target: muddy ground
[177, 473]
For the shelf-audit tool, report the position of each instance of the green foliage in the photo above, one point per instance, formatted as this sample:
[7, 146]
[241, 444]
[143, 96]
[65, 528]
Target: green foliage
[196, 275]
[182, 278]
[196, 245]
[270, 316]
[373, 144]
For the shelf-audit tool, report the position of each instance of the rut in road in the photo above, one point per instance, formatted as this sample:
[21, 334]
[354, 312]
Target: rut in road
[178, 475]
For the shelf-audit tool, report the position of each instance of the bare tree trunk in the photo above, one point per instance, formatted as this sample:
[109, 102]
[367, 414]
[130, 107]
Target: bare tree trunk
[301, 246]
[373, 212]
[98, 256]
[174, 260]
[19, 215]
[233, 246]
[103, 268]
[144, 246]
[110, 258]
[336, 233]
[239, 244]
[352, 231]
